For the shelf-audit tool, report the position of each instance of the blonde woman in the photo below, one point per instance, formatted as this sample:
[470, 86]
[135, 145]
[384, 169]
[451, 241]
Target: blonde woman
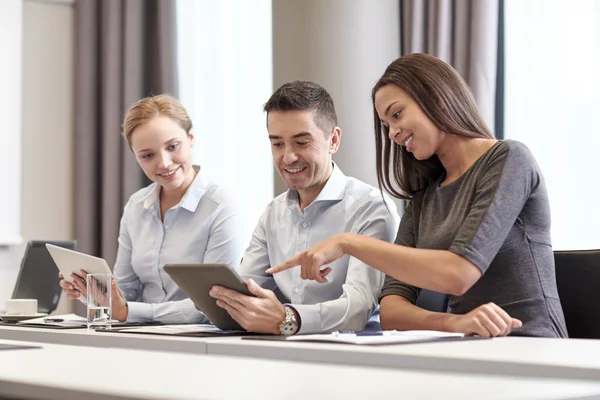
[180, 218]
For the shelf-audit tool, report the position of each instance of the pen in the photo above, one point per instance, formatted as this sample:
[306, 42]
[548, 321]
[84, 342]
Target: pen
[365, 333]
[360, 333]
[46, 320]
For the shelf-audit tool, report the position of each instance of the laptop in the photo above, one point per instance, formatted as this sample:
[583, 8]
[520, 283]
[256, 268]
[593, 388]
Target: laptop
[38, 275]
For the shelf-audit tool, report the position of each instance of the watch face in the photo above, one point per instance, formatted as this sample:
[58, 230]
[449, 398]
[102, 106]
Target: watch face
[289, 328]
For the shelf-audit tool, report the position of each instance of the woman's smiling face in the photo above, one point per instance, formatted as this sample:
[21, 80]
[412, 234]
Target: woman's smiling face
[407, 123]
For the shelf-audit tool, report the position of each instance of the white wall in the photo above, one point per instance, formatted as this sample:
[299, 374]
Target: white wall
[48, 43]
[345, 46]
[47, 132]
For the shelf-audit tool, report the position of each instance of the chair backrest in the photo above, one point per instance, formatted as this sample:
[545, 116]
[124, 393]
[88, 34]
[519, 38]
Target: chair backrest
[432, 301]
[578, 282]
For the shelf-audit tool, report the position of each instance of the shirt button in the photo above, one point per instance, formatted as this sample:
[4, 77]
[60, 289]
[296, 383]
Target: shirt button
[304, 224]
[166, 226]
[296, 290]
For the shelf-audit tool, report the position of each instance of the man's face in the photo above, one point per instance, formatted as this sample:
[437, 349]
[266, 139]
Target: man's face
[301, 150]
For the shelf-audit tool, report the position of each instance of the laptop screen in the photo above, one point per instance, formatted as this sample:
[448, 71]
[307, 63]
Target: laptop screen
[38, 276]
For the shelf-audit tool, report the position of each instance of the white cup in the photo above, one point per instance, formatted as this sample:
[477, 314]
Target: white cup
[21, 307]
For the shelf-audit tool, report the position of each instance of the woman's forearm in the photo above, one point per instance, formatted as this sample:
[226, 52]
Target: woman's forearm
[438, 270]
[397, 313]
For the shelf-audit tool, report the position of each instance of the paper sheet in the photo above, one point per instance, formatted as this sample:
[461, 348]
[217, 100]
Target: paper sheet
[380, 337]
[53, 320]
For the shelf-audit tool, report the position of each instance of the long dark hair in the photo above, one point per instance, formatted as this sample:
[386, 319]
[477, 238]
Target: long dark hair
[446, 100]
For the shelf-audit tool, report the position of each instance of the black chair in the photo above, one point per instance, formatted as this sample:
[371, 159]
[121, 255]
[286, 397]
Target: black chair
[578, 282]
[432, 301]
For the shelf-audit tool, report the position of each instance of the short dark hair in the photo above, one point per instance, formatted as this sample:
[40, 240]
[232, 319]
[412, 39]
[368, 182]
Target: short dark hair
[304, 96]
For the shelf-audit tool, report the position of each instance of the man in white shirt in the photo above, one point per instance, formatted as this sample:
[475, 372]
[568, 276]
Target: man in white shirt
[320, 202]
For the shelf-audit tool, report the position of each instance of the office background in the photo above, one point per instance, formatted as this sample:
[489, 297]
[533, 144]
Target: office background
[230, 56]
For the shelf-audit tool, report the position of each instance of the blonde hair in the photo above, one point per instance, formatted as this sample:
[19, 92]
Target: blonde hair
[149, 107]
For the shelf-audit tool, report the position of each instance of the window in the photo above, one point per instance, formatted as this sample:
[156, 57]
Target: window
[225, 77]
[552, 104]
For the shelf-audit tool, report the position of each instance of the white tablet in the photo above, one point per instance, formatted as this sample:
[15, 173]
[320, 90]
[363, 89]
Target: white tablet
[72, 262]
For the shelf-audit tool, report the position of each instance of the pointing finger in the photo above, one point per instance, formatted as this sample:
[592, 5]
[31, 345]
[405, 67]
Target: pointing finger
[292, 262]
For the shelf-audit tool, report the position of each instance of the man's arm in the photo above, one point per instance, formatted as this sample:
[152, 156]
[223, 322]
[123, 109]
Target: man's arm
[360, 290]
[256, 257]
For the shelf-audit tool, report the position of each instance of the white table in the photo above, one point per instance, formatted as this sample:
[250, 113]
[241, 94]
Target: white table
[70, 372]
[83, 337]
[516, 356]
[550, 358]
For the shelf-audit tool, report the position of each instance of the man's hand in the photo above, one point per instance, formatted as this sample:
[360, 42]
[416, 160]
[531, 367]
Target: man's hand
[261, 314]
[487, 320]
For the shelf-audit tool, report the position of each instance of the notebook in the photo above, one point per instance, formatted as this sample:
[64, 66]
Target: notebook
[198, 330]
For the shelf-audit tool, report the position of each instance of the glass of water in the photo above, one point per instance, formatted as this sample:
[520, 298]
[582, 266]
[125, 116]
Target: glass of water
[99, 301]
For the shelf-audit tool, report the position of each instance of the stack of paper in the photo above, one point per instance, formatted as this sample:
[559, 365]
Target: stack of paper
[379, 337]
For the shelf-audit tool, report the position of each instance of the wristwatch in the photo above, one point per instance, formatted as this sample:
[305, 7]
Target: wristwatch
[289, 326]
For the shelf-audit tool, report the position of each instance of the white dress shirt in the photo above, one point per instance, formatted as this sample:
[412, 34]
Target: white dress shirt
[202, 228]
[349, 297]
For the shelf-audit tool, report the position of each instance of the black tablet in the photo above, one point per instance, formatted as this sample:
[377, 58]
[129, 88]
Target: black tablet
[196, 280]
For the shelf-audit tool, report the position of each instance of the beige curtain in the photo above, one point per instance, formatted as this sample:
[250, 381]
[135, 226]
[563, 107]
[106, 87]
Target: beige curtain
[125, 50]
[465, 34]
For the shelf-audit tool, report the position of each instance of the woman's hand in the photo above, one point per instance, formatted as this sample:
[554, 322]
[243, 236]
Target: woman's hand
[312, 259]
[487, 320]
[73, 289]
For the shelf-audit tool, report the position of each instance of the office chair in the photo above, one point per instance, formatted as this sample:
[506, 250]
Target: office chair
[578, 282]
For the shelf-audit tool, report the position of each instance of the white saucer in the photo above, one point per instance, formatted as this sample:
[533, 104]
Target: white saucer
[20, 317]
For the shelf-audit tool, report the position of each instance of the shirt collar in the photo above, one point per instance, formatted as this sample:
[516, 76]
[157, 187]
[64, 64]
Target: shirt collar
[334, 189]
[190, 199]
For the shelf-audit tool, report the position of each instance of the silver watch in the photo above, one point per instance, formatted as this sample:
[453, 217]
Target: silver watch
[289, 326]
